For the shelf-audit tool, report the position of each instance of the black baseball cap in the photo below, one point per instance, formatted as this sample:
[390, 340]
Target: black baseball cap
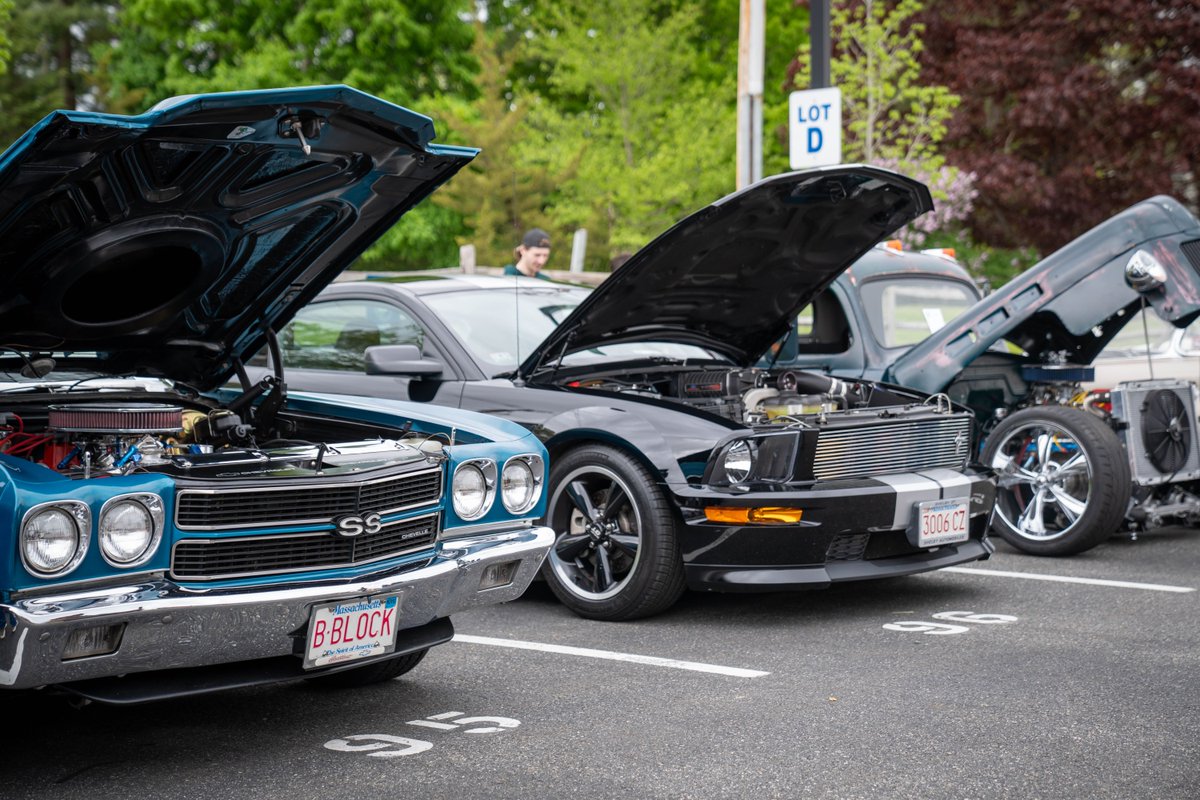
[535, 237]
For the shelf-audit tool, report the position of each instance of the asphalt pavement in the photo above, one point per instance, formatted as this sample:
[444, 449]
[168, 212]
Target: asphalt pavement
[1019, 677]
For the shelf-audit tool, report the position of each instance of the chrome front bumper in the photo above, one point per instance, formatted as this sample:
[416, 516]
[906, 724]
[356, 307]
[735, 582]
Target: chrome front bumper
[170, 627]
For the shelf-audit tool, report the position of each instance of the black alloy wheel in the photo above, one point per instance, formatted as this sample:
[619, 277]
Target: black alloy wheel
[616, 556]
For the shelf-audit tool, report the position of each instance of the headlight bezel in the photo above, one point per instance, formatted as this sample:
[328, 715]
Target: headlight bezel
[152, 504]
[487, 468]
[743, 450]
[81, 515]
[537, 471]
[772, 458]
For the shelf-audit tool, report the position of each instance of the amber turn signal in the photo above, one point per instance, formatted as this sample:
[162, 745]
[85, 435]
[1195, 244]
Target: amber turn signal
[745, 515]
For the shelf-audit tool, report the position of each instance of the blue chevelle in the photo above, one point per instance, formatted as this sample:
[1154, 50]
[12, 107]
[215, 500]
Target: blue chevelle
[167, 535]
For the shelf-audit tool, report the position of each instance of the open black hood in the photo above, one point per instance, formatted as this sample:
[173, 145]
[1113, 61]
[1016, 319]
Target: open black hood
[169, 243]
[732, 276]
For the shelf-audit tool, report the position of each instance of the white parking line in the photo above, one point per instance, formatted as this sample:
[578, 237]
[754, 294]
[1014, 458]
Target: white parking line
[653, 661]
[1152, 587]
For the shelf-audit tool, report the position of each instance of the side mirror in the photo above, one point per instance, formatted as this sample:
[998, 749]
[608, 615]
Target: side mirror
[400, 359]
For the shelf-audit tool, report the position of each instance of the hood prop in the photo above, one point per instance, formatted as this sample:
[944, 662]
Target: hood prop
[303, 127]
[273, 386]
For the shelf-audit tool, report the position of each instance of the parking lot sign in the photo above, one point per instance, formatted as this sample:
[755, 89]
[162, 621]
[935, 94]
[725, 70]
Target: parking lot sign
[815, 128]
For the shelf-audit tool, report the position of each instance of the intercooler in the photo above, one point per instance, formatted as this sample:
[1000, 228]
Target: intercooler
[891, 446]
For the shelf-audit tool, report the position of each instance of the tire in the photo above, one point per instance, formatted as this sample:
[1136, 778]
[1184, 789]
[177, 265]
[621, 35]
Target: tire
[1063, 480]
[371, 673]
[616, 554]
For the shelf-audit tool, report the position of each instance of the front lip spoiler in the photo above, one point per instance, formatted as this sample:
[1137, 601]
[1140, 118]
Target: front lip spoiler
[822, 576]
[169, 627]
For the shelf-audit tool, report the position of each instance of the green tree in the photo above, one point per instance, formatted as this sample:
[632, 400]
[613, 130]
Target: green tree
[399, 49]
[654, 137]
[888, 114]
[498, 195]
[50, 64]
[411, 52]
[892, 117]
[6, 9]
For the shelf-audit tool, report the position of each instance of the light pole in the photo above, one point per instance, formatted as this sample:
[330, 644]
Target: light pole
[818, 36]
[751, 33]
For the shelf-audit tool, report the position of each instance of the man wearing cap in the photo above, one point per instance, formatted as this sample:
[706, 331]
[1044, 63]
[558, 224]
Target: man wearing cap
[532, 254]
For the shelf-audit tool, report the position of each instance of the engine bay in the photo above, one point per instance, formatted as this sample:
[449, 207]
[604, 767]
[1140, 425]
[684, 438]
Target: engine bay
[96, 438]
[756, 396]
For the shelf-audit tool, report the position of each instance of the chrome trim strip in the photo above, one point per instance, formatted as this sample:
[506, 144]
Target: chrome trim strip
[84, 584]
[486, 527]
[430, 545]
[338, 483]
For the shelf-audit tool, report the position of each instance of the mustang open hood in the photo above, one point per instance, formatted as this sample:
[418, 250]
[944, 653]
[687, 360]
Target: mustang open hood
[169, 243]
[1065, 307]
[732, 276]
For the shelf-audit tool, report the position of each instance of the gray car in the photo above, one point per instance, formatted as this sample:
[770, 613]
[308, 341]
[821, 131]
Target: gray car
[1072, 464]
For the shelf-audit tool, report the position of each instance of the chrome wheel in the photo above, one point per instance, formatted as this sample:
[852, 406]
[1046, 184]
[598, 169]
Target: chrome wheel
[1062, 479]
[1044, 481]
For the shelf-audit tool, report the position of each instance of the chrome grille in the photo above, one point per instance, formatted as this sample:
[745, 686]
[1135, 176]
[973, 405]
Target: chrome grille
[262, 506]
[272, 554]
[1192, 251]
[891, 446]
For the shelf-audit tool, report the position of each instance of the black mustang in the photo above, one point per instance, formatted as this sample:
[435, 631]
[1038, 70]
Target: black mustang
[679, 457]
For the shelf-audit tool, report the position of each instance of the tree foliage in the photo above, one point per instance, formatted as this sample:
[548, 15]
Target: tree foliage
[888, 112]
[51, 65]
[411, 52]
[1071, 112]
[398, 49]
[653, 137]
[6, 10]
[499, 195]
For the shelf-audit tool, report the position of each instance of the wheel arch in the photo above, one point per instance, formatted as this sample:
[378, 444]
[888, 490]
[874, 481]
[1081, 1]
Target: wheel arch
[631, 434]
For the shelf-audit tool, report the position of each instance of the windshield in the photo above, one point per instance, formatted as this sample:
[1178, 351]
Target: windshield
[904, 311]
[502, 327]
[1131, 340]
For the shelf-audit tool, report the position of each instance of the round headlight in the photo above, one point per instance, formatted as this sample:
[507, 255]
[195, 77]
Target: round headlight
[516, 486]
[739, 460]
[51, 541]
[126, 531]
[470, 492]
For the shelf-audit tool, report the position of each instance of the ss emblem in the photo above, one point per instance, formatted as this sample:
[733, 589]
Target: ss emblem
[353, 526]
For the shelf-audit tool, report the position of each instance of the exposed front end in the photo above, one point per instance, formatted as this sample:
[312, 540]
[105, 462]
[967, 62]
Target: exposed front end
[150, 558]
[838, 496]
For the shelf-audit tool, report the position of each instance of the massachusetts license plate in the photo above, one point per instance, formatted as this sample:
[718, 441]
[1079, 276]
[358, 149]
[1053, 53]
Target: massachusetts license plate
[350, 630]
[942, 522]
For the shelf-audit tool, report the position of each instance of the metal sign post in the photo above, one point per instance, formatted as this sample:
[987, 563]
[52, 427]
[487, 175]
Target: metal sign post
[751, 35]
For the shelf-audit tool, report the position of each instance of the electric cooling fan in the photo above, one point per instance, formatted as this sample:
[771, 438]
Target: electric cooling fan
[1166, 430]
[1157, 421]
